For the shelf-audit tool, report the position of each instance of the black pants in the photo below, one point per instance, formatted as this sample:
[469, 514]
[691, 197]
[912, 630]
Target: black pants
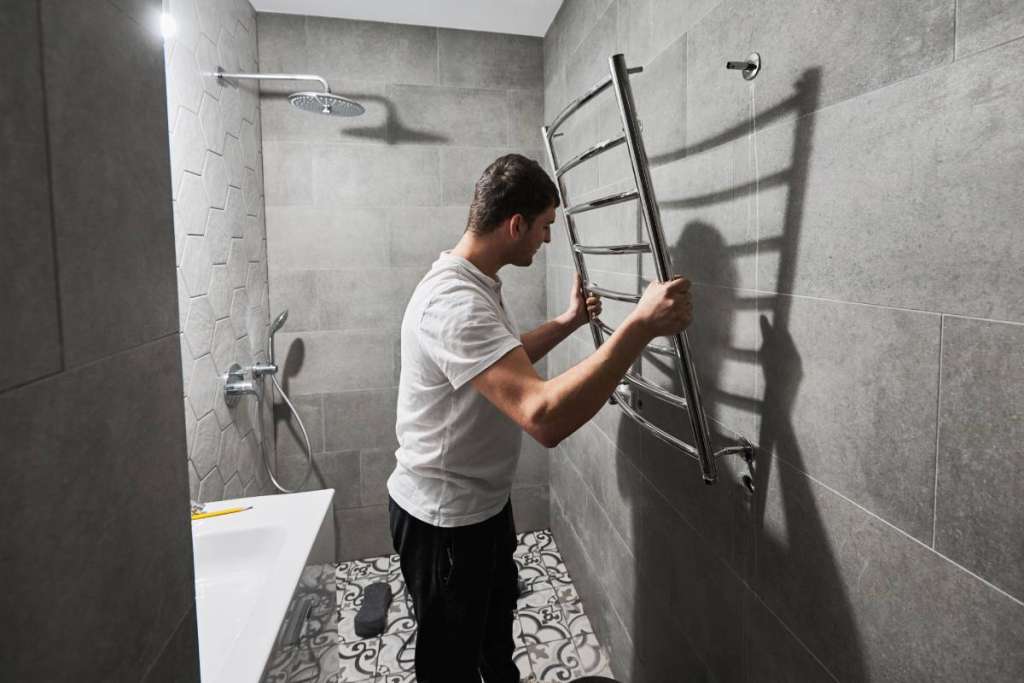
[463, 582]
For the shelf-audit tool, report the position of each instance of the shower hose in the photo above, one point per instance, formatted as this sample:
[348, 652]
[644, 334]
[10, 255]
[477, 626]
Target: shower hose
[263, 439]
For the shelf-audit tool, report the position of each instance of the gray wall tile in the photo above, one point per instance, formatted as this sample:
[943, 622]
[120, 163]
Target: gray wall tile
[418, 235]
[314, 238]
[361, 419]
[882, 43]
[982, 24]
[980, 431]
[530, 504]
[369, 176]
[526, 113]
[118, 234]
[448, 115]
[873, 603]
[332, 361]
[376, 466]
[179, 662]
[362, 532]
[127, 452]
[296, 291]
[931, 173]
[288, 435]
[28, 291]
[475, 59]
[372, 51]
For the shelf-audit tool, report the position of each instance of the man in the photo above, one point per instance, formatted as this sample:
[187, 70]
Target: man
[467, 391]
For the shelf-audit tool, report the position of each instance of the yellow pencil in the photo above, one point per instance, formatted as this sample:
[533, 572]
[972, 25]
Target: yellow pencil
[218, 513]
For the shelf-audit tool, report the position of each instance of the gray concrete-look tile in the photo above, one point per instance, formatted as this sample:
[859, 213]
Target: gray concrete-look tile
[478, 59]
[282, 42]
[287, 431]
[926, 195]
[417, 235]
[365, 299]
[373, 51]
[461, 167]
[376, 465]
[304, 238]
[871, 602]
[772, 652]
[533, 464]
[856, 48]
[289, 173]
[448, 116]
[982, 24]
[363, 175]
[979, 463]
[531, 507]
[116, 288]
[360, 419]
[126, 452]
[179, 661]
[526, 116]
[849, 395]
[296, 291]
[332, 361]
[362, 532]
[588, 64]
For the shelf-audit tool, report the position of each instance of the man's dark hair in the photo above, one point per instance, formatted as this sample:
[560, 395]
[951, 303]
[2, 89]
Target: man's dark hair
[511, 184]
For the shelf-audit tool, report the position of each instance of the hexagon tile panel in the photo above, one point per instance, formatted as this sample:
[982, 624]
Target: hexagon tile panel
[220, 231]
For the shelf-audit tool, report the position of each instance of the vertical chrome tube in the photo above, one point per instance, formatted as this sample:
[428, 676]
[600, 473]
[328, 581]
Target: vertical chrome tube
[655, 233]
[570, 227]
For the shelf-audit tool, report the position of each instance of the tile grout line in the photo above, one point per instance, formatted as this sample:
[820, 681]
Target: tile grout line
[55, 252]
[938, 414]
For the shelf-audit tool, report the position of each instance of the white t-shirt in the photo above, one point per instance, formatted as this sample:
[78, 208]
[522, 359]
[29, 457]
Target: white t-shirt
[457, 453]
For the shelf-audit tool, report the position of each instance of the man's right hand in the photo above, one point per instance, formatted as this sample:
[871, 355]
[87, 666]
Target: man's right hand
[665, 307]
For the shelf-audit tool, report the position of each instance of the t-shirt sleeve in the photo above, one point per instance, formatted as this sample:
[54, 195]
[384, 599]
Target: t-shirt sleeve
[461, 331]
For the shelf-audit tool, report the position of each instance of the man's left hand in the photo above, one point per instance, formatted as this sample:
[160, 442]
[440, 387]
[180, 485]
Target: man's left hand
[582, 310]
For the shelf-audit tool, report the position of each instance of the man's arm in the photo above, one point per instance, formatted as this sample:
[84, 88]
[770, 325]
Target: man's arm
[539, 341]
[550, 410]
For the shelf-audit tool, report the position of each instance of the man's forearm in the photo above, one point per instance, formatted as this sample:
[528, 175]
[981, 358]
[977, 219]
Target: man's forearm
[539, 341]
[573, 397]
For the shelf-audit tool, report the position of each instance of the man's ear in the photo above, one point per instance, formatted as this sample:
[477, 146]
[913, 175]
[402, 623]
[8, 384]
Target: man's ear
[517, 225]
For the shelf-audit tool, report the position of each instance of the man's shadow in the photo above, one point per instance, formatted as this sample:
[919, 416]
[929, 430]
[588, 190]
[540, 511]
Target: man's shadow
[702, 552]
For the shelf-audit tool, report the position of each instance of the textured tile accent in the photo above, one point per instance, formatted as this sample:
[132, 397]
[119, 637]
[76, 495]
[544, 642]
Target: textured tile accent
[980, 431]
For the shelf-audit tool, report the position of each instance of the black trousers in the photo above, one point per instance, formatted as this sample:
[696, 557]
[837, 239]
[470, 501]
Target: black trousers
[463, 582]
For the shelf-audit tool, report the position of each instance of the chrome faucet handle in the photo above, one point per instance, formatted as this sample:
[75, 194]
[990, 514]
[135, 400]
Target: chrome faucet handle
[261, 369]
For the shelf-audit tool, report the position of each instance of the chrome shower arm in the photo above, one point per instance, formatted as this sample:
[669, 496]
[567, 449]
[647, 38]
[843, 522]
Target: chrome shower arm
[275, 77]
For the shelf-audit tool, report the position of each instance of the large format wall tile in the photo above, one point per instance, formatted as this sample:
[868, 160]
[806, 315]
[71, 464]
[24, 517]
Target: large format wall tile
[983, 24]
[872, 603]
[301, 238]
[331, 361]
[981, 428]
[346, 176]
[858, 47]
[898, 206]
[126, 452]
[28, 286]
[475, 59]
[452, 116]
[372, 51]
[118, 234]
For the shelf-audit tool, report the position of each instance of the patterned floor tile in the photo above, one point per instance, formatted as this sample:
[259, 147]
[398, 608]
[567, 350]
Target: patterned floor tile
[543, 624]
[371, 566]
[358, 660]
[576, 619]
[397, 655]
[566, 594]
[537, 598]
[554, 661]
[522, 659]
[593, 660]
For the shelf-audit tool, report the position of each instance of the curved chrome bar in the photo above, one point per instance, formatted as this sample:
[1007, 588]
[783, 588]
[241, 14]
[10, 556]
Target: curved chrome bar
[613, 249]
[590, 94]
[652, 346]
[608, 200]
[654, 429]
[611, 293]
[600, 147]
[655, 390]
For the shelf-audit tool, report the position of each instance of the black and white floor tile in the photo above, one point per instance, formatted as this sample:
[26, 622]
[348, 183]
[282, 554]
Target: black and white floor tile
[554, 638]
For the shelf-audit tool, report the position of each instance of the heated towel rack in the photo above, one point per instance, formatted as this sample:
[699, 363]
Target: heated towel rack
[643, 192]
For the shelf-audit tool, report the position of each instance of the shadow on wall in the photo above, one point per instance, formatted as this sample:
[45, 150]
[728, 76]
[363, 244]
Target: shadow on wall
[702, 552]
[391, 130]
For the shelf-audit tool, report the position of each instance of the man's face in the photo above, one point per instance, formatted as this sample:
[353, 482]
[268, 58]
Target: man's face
[533, 238]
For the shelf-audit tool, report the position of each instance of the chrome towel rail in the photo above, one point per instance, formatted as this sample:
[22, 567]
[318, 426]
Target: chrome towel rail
[690, 401]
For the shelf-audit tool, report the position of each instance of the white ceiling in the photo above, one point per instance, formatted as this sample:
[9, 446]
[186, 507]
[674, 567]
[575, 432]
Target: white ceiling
[524, 17]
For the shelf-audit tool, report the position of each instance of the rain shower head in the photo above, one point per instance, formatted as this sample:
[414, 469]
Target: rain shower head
[322, 102]
[279, 321]
[325, 103]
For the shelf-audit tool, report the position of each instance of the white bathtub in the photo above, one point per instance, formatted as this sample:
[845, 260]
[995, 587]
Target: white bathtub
[247, 566]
